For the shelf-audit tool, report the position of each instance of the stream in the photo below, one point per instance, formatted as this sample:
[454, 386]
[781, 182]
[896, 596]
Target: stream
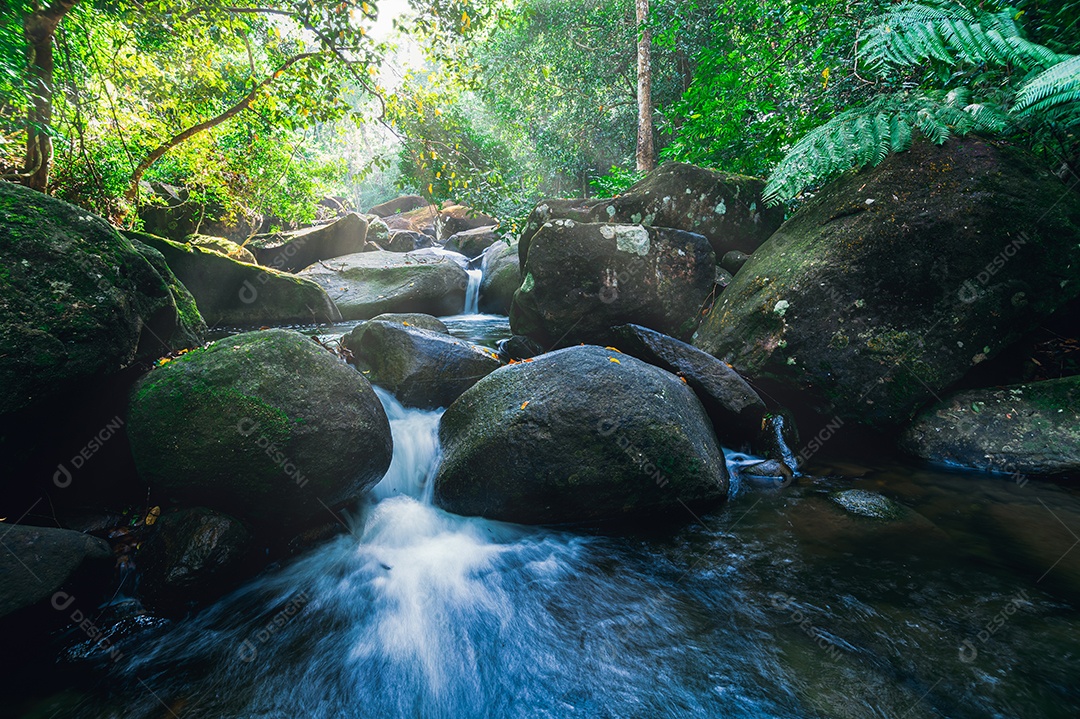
[778, 604]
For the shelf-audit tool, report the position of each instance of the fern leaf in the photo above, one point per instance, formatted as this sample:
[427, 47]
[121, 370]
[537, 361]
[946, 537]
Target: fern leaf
[1055, 86]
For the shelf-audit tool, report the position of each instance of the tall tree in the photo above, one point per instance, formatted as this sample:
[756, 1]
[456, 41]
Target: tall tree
[39, 29]
[646, 153]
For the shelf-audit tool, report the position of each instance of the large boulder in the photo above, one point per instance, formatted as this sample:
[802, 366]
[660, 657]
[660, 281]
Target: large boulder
[500, 279]
[371, 283]
[472, 243]
[726, 209]
[78, 302]
[267, 426]
[1024, 429]
[238, 294]
[293, 251]
[570, 438]
[351, 341]
[222, 245]
[583, 279]
[734, 407]
[405, 203]
[38, 561]
[422, 368]
[893, 282]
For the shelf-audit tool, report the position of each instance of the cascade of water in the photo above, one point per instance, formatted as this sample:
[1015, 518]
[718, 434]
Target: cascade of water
[472, 292]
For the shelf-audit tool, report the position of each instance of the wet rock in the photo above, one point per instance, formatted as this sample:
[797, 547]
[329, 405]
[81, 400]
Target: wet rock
[38, 561]
[373, 283]
[266, 426]
[726, 209]
[770, 472]
[293, 251]
[192, 555]
[501, 278]
[581, 280]
[1023, 429]
[734, 407]
[237, 294]
[566, 438]
[778, 438]
[518, 347]
[351, 341]
[78, 302]
[844, 523]
[876, 294]
[422, 368]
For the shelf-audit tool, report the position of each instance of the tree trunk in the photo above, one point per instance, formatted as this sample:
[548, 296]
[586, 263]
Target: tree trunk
[646, 153]
[39, 29]
[136, 175]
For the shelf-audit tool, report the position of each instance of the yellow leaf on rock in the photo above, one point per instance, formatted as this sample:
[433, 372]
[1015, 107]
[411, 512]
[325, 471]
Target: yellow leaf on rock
[525, 404]
[612, 359]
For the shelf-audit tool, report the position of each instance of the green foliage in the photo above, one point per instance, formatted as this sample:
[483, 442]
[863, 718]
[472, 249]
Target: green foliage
[865, 135]
[763, 75]
[1025, 90]
[616, 181]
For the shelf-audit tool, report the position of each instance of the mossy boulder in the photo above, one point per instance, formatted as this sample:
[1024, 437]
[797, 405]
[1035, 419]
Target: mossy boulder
[581, 435]
[734, 407]
[727, 209]
[351, 341]
[293, 251]
[1023, 429]
[420, 367]
[238, 294]
[893, 282]
[372, 283]
[501, 278]
[224, 246]
[38, 561]
[78, 302]
[267, 426]
[583, 279]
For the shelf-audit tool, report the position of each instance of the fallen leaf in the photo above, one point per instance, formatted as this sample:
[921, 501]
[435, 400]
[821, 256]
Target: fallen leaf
[612, 359]
[525, 404]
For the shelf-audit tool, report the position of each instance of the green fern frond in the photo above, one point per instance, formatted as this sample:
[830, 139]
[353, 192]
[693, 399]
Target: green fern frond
[1058, 85]
[866, 135]
[912, 33]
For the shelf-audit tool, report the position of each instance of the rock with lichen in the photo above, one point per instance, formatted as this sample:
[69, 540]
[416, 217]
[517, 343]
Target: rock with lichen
[893, 282]
[1023, 429]
[583, 279]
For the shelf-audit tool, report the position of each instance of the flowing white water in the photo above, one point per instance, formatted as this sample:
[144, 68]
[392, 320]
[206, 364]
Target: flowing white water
[472, 292]
[421, 613]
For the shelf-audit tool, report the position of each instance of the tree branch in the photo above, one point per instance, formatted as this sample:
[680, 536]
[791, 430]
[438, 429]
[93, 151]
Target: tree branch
[133, 188]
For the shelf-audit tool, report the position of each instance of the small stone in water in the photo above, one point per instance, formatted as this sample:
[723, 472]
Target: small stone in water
[867, 504]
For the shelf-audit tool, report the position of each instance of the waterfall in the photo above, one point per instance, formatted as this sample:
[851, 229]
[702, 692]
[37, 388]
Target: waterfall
[472, 292]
